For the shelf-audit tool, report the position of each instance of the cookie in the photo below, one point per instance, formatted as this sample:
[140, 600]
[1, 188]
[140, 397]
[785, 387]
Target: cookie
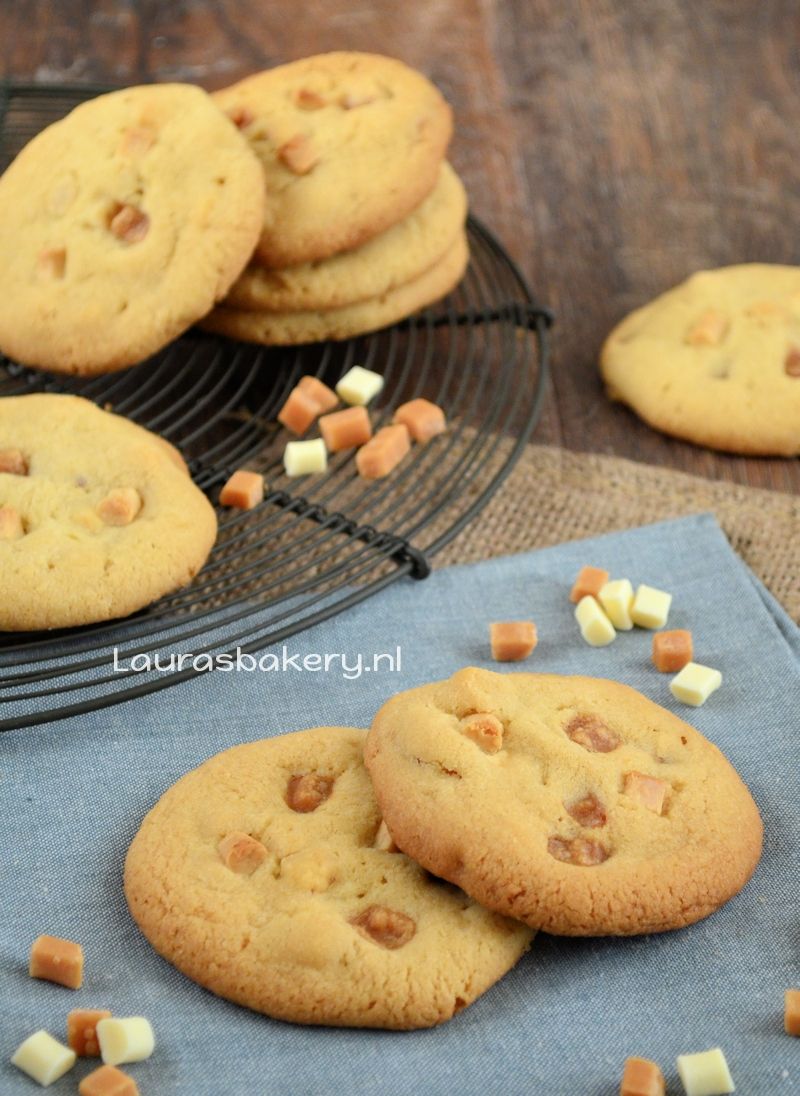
[350, 144]
[98, 517]
[716, 360]
[572, 803]
[292, 328]
[121, 225]
[396, 257]
[266, 876]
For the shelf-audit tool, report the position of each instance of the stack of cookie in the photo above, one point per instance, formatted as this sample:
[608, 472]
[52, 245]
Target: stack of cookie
[365, 218]
[568, 804]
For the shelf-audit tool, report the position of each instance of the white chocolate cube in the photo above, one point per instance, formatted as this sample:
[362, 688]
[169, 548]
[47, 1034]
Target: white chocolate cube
[596, 628]
[617, 598]
[303, 458]
[695, 684]
[705, 1074]
[359, 385]
[43, 1058]
[125, 1039]
[650, 607]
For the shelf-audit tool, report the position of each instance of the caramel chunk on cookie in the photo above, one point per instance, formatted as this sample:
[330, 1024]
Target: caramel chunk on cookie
[330, 929]
[607, 816]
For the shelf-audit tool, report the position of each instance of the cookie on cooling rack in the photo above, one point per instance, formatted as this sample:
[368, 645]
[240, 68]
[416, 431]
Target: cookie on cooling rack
[294, 328]
[121, 225]
[98, 517]
[266, 876]
[716, 360]
[350, 143]
[572, 803]
[398, 256]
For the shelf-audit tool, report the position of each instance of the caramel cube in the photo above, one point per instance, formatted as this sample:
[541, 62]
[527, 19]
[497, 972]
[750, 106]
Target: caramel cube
[424, 419]
[485, 730]
[120, 506]
[298, 412]
[791, 1012]
[345, 429]
[319, 392]
[641, 1077]
[241, 853]
[512, 640]
[709, 329]
[108, 1081]
[57, 960]
[382, 454]
[12, 462]
[672, 650]
[589, 583]
[82, 1030]
[11, 527]
[647, 790]
[244, 490]
[298, 154]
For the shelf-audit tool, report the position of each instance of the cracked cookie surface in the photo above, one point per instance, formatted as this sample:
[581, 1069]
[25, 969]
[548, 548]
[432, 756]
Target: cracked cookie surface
[599, 813]
[121, 225]
[265, 875]
[107, 519]
[716, 360]
[350, 143]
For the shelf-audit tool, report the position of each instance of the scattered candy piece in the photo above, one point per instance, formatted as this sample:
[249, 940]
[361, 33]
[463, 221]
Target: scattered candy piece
[298, 412]
[617, 598]
[303, 458]
[672, 650]
[650, 607]
[319, 392]
[345, 429]
[43, 1058]
[512, 640]
[596, 628]
[589, 583]
[243, 491]
[641, 1077]
[695, 684]
[57, 960]
[382, 454]
[82, 1030]
[359, 385]
[705, 1074]
[125, 1039]
[108, 1081]
[791, 1013]
[424, 419]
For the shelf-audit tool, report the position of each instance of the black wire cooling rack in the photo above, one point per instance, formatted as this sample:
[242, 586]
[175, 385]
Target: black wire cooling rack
[316, 545]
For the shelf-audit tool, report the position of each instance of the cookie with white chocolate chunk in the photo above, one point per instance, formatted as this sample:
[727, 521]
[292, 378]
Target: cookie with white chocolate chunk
[591, 811]
[716, 360]
[97, 515]
[267, 876]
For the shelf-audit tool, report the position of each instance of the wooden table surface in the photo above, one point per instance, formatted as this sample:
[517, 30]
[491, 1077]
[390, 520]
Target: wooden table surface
[613, 145]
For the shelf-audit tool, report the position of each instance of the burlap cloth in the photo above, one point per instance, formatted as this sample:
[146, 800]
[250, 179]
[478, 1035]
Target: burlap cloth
[553, 495]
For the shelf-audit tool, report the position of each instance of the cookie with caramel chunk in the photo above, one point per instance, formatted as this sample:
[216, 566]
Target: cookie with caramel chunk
[121, 225]
[98, 517]
[596, 812]
[350, 144]
[716, 360]
[266, 875]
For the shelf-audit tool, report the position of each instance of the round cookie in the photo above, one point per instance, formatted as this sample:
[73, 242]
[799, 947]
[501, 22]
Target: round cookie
[97, 517]
[716, 360]
[121, 225]
[399, 255]
[292, 328]
[350, 144]
[574, 804]
[266, 876]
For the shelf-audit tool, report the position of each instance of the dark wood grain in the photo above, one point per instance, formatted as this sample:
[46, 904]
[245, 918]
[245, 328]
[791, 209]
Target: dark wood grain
[615, 146]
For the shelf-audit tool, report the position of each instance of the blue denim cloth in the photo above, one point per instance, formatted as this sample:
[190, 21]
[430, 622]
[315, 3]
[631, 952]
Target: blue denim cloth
[561, 1024]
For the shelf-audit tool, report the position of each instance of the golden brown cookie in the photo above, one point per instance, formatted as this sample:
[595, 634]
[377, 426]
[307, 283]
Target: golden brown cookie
[97, 516]
[396, 257]
[266, 876]
[291, 328]
[350, 144]
[121, 225]
[572, 803]
[716, 360]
